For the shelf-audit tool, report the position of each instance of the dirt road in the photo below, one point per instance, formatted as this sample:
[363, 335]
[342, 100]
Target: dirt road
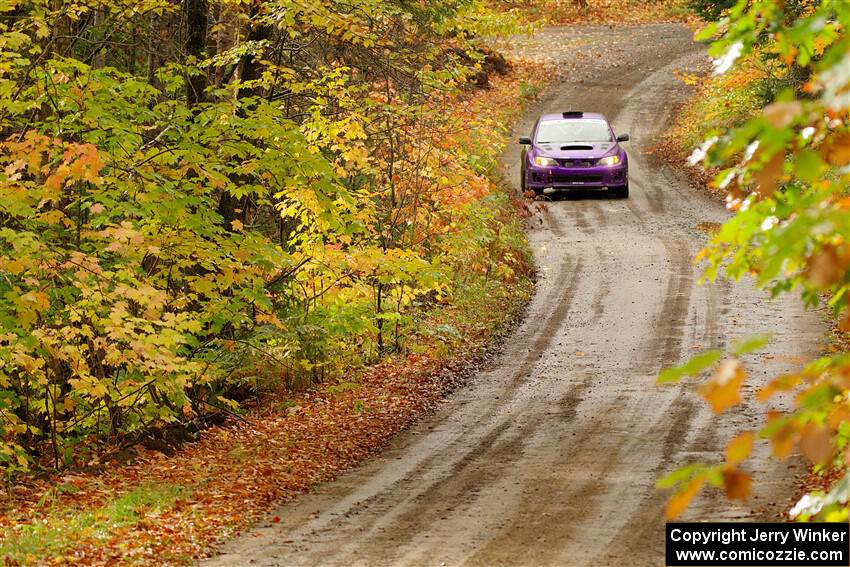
[550, 456]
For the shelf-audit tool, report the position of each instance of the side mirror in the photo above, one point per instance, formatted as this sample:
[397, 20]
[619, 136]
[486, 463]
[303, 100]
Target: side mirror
[525, 141]
[623, 138]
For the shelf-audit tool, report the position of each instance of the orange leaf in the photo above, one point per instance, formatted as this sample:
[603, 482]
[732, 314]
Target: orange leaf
[790, 55]
[768, 176]
[839, 151]
[839, 415]
[721, 391]
[827, 266]
[780, 384]
[783, 440]
[781, 114]
[737, 484]
[678, 503]
[816, 443]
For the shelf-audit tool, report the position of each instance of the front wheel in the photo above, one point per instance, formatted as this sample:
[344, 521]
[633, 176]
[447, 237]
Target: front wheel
[622, 192]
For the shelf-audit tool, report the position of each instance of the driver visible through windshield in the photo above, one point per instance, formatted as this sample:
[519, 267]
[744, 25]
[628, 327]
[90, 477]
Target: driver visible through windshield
[573, 130]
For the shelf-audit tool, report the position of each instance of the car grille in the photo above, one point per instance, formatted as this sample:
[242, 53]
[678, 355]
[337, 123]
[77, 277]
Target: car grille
[578, 162]
[577, 178]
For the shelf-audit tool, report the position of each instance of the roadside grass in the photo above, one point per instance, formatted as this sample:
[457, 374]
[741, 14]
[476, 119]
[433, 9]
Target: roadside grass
[63, 525]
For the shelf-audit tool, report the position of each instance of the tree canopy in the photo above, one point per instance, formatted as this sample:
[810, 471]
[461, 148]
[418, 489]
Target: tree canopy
[190, 188]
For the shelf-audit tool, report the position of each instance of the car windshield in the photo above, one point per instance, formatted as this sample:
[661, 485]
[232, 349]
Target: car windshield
[573, 130]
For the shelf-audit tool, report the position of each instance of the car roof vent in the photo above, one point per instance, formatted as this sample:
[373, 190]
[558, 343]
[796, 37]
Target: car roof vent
[573, 114]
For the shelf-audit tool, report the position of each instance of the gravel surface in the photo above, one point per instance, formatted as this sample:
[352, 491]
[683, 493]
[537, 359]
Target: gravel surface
[549, 456]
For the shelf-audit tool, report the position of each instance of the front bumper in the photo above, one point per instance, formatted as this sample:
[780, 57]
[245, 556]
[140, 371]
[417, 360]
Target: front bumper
[576, 178]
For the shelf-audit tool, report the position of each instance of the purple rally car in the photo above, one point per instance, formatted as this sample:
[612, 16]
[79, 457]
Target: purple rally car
[574, 150]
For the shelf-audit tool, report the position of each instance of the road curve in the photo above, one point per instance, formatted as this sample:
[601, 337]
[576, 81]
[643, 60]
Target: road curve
[549, 456]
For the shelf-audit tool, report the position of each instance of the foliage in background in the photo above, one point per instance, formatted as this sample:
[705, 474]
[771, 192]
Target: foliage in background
[721, 102]
[201, 200]
[785, 171]
[710, 10]
[606, 11]
[156, 509]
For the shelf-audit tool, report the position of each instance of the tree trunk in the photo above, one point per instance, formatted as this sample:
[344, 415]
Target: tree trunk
[196, 42]
[250, 71]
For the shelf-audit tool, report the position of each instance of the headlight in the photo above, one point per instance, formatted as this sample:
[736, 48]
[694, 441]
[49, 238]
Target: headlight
[545, 161]
[610, 160]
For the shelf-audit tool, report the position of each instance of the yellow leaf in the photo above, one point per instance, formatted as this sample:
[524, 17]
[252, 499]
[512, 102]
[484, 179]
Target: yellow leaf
[237, 225]
[98, 390]
[14, 267]
[739, 448]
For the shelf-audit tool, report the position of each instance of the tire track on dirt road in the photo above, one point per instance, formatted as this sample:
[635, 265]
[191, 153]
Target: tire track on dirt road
[500, 449]
[549, 456]
[551, 223]
[500, 446]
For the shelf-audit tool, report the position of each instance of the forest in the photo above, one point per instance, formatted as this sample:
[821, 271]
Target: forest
[206, 201]
[244, 244]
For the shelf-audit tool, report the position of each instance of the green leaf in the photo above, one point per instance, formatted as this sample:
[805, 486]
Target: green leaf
[808, 166]
[678, 476]
[694, 366]
[748, 344]
[707, 32]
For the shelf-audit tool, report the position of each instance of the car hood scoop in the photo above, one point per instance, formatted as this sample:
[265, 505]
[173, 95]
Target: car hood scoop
[577, 150]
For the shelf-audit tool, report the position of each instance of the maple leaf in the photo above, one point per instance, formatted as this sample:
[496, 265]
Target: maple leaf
[736, 484]
[739, 448]
[816, 443]
[769, 174]
[721, 391]
[679, 502]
